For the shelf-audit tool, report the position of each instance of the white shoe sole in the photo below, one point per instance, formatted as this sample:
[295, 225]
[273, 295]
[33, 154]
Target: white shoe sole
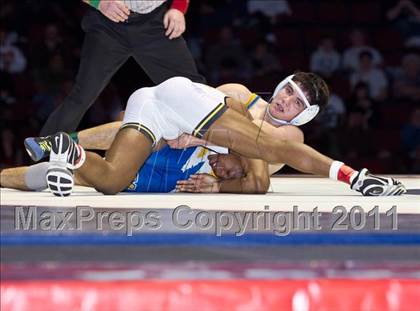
[60, 180]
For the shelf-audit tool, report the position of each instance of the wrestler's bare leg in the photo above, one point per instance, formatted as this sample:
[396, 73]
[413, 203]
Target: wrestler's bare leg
[127, 153]
[14, 178]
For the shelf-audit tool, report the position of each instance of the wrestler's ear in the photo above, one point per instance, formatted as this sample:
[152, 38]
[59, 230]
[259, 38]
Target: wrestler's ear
[212, 157]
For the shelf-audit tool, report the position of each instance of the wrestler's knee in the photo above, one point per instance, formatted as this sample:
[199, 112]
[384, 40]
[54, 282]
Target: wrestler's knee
[109, 189]
[112, 184]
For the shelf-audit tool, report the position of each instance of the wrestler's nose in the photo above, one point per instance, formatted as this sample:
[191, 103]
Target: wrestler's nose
[288, 102]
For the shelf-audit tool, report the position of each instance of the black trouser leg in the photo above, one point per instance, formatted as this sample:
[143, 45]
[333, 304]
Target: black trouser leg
[102, 55]
[173, 59]
[160, 57]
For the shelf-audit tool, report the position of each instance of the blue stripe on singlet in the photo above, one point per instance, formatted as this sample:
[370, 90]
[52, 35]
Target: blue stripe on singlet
[163, 169]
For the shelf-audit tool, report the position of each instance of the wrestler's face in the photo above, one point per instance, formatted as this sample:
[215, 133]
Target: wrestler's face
[287, 104]
[226, 166]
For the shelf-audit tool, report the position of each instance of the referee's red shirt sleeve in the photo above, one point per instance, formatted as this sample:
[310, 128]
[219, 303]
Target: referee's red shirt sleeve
[181, 5]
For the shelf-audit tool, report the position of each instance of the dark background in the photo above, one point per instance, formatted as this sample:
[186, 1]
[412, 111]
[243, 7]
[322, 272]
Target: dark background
[41, 41]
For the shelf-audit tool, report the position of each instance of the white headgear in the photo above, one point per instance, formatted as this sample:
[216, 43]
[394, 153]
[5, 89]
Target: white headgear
[306, 115]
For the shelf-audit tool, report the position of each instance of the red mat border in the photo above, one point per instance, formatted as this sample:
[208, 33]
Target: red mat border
[317, 294]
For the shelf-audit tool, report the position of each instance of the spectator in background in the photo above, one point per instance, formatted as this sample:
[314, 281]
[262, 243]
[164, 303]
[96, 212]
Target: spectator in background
[12, 59]
[9, 36]
[325, 60]
[226, 59]
[357, 143]
[51, 45]
[263, 61]
[270, 8]
[48, 82]
[330, 121]
[7, 90]
[332, 117]
[410, 138]
[213, 15]
[415, 162]
[209, 20]
[53, 74]
[410, 134]
[406, 16]
[263, 15]
[362, 104]
[351, 56]
[374, 77]
[10, 154]
[406, 83]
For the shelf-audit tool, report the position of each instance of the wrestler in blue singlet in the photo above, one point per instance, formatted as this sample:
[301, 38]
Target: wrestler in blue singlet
[165, 167]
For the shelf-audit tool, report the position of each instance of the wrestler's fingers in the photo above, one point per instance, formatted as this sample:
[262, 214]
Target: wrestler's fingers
[185, 182]
[185, 189]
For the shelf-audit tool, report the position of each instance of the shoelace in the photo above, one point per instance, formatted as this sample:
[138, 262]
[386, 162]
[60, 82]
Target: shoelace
[45, 145]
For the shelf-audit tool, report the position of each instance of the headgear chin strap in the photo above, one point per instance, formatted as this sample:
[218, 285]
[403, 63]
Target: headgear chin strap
[305, 116]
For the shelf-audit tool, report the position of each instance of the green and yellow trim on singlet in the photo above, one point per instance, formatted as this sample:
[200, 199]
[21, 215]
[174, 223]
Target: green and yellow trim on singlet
[142, 129]
[252, 100]
[204, 125]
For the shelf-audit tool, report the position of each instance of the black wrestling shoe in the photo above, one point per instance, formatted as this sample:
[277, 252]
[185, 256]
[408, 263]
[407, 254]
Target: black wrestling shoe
[371, 185]
[38, 147]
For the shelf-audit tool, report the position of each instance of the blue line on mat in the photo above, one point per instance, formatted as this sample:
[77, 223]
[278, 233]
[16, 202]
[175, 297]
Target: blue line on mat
[212, 240]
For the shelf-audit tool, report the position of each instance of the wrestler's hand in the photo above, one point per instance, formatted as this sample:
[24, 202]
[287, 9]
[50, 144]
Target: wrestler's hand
[115, 10]
[174, 22]
[184, 141]
[199, 183]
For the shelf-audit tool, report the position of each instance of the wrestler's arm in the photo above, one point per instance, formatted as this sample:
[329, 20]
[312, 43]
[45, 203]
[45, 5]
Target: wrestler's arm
[255, 180]
[101, 137]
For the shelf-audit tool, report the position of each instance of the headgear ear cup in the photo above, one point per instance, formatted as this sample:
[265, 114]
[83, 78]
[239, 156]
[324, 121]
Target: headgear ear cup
[305, 116]
[60, 181]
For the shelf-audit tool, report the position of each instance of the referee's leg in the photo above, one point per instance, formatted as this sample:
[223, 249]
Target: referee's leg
[169, 58]
[160, 57]
[101, 56]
